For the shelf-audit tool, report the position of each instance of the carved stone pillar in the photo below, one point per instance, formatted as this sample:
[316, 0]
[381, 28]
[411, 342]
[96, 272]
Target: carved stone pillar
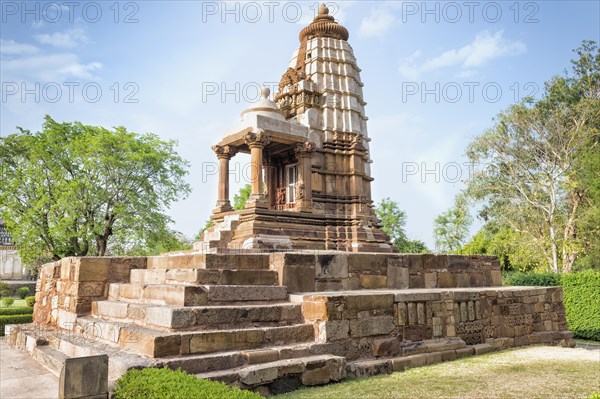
[304, 186]
[224, 154]
[257, 142]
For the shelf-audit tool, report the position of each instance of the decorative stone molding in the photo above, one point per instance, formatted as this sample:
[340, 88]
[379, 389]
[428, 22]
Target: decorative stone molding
[224, 151]
[257, 139]
[304, 148]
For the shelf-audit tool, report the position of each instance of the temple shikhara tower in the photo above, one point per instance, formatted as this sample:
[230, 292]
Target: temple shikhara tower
[299, 288]
[311, 178]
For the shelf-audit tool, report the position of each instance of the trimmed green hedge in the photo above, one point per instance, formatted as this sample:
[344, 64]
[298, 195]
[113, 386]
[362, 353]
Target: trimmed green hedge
[154, 383]
[534, 279]
[17, 310]
[581, 293]
[14, 319]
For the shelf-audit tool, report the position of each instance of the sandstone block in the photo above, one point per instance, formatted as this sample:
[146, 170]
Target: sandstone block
[449, 355]
[260, 356]
[430, 280]
[91, 269]
[332, 330]
[313, 311]
[371, 368]
[446, 280]
[332, 266]
[415, 361]
[397, 277]
[83, 377]
[369, 281]
[170, 317]
[380, 325]
[253, 376]
[215, 341]
[369, 302]
[468, 351]
[433, 358]
[367, 263]
[482, 348]
[386, 347]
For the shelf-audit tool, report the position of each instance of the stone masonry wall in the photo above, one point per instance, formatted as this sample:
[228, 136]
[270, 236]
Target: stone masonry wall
[308, 272]
[66, 288]
[403, 323]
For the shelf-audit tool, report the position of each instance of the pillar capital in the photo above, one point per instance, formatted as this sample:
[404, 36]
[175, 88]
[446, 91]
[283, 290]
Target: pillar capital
[258, 139]
[224, 151]
[304, 149]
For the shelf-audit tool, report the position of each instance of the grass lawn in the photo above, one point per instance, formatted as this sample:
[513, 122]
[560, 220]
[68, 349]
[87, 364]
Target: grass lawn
[533, 372]
[18, 303]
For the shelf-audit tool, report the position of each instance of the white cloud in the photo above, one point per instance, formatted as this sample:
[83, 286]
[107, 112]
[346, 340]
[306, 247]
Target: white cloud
[51, 67]
[10, 47]
[377, 23]
[68, 39]
[484, 48]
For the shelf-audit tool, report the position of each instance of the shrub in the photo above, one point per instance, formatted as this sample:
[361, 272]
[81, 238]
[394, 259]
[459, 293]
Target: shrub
[581, 293]
[15, 310]
[14, 319]
[154, 383]
[5, 289]
[30, 301]
[6, 301]
[534, 279]
[23, 292]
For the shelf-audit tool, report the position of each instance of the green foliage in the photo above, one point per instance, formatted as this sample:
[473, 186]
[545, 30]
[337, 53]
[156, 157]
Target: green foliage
[23, 292]
[451, 228]
[541, 164]
[8, 301]
[534, 279]
[154, 383]
[509, 246]
[595, 395]
[6, 289]
[30, 301]
[393, 223]
[75, 190]
[582, 303]
[240, 199]
[15, 310]
[14, 319]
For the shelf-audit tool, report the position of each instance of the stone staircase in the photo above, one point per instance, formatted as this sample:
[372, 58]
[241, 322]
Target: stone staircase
[218, 316]
[216, 237]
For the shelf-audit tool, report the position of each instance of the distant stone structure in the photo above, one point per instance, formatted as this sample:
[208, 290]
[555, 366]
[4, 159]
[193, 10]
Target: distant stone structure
[282, 294]
[10, 261]
[312, 149]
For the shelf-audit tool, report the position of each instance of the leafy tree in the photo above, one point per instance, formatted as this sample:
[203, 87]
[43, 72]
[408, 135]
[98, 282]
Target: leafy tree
[75, 190]
[393, 221]
[240, 199]
[532, 180]
[451, 228]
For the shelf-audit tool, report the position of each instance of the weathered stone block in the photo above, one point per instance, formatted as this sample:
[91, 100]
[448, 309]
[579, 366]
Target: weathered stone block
[380, 325]
[368, 281]
[371, 368]
[496, 276]
[332, 266]
[482, 348]
[260, 356]
[449, 355]
[91, 269]
[83, 377]
[367, 263]
[446, 280]
[433, 358]
[369, 302]
[386, 347]
[226, 340]
[430, 280]
[397, 277]
[332, 330]
[468, 351]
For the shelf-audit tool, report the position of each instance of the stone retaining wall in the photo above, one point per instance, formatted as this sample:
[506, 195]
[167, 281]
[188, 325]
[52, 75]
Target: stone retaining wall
[397, 323]
[304, 272]
[66, 288]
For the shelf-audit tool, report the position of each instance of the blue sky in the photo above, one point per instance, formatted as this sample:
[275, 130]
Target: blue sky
[435, 75]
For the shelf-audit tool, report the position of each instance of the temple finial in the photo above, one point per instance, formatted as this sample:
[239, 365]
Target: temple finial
[323, 10]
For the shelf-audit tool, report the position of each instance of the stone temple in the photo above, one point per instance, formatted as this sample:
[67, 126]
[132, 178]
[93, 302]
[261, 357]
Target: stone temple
[301, 288]
[310, 164]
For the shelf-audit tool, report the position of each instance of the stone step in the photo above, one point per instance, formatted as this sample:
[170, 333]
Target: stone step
[210, 261]
[197, 316]
[155, 343]
[194, 295]
[284, 375]
[204, 276]
[50, 358]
